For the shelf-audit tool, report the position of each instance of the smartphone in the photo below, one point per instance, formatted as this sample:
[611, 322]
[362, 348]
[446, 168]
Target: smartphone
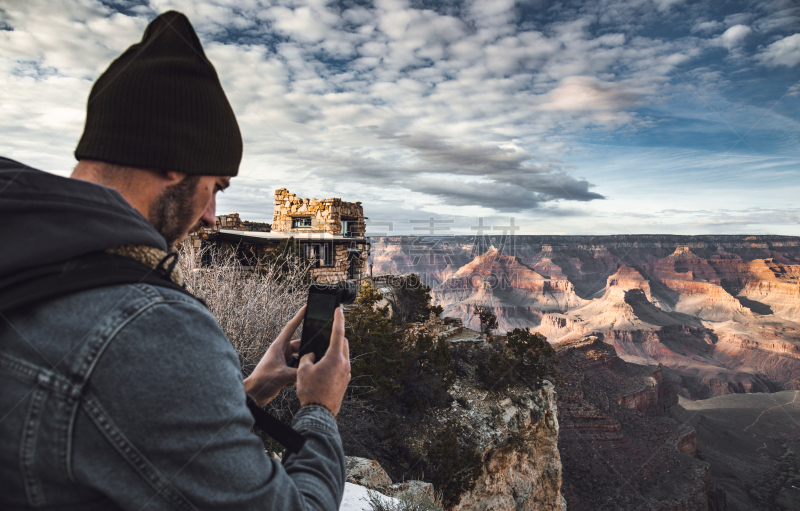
[318, 322]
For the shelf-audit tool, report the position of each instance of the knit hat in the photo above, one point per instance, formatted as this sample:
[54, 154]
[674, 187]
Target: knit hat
[160, 105]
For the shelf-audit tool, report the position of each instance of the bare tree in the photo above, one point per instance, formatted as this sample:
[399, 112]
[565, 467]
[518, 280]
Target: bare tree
[252, 307]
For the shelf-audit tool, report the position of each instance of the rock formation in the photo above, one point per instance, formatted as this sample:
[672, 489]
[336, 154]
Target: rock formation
[517, 294]
[513, 432]
[366, 472]
[513, 478]
[618, 448]
[720, 313]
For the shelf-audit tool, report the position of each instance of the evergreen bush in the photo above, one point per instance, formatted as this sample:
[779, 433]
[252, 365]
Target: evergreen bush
[526, 357]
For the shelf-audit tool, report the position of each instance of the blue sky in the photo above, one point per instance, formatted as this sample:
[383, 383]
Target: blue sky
[642, 116]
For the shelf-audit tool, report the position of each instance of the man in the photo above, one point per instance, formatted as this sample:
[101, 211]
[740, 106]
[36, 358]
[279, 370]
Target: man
[130, 396]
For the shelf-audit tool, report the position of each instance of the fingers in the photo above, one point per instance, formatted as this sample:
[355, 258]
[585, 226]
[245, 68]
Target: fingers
[308, 359]
[337, 332]
[290, 348]
[288, 331]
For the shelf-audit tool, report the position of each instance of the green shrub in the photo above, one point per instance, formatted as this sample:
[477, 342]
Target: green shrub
[527, 357]
[411, 299]
[387, 368]
[537, 358]
[784, 476]
[426, 380]
[377, 351]
[407, 378]
[434, 358]
[257, 226]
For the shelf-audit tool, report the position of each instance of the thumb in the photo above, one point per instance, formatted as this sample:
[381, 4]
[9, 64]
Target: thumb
[308, 359]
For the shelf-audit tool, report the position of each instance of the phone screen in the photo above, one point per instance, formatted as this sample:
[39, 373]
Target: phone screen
[318, 323]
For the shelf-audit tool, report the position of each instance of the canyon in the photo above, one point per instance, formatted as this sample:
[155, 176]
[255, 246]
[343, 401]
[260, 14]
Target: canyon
[679, 356]
[718, 314]
[620, 447]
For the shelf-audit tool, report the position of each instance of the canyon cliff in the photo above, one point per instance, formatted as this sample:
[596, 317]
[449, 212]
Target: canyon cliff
[509, 434]
[619, 447]
[720, 314]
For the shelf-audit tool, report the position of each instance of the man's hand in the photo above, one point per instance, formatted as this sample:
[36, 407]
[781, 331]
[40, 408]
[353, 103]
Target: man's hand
[272, 374]
[326, 381]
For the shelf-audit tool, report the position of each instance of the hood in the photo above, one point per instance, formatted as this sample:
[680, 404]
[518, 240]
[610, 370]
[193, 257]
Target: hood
[49, 219]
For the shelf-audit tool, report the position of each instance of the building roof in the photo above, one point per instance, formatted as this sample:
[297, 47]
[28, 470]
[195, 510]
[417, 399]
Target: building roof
[266, 237]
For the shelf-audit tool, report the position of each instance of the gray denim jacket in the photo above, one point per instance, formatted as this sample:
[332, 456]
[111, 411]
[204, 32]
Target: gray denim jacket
[131, 397]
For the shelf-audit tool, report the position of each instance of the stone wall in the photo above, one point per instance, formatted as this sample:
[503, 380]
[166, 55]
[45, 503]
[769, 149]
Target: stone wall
[339, 269]
[326, 214]
[230, 221]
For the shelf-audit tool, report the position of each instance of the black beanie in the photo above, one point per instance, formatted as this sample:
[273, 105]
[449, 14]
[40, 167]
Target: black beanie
[160, 105]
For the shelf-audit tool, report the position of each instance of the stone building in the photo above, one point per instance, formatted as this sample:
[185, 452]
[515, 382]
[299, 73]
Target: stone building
[330, 232]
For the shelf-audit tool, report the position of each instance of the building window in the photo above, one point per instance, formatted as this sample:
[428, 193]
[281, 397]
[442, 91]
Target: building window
[208, 253]
[348, 226]
[304, 221]
[320, 253]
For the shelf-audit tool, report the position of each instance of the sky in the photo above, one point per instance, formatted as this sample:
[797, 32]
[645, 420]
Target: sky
[597, 117]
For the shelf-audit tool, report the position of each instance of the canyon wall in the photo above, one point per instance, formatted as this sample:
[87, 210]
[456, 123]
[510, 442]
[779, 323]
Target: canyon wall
[513, 477]
[618, 446]
[721, 314]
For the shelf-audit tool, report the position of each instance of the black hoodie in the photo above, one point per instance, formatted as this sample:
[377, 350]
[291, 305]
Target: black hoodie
[49, 219]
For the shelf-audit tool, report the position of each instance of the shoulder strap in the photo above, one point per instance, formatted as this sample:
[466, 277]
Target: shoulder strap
[91, 271]
[100, 269]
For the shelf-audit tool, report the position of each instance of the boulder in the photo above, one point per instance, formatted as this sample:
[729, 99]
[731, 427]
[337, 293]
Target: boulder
[366, 472]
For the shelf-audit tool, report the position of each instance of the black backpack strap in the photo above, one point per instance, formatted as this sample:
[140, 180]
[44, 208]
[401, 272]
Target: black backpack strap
[100, 269]
[283, 434]
[86, 272]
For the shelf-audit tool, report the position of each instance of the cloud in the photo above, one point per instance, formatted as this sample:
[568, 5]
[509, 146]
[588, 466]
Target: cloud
[784, 52]
[739, 18]
[778, 16]
[436, 106]
[707, 27]
[511, 180]
[749, 217]
[586, 93]
[505, 197]
[734, 36]
[665, 5]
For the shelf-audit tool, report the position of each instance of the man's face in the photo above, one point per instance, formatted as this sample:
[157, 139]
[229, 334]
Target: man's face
[187, 206]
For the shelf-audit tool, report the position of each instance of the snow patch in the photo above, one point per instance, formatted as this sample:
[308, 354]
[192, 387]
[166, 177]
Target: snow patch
[356, 498]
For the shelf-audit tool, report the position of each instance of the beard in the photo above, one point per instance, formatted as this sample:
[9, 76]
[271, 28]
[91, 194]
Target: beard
[173, 213]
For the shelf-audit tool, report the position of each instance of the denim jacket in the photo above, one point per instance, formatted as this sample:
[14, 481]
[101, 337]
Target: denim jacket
[131, 397]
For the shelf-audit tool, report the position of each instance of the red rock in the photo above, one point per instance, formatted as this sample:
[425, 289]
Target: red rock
[721, 313]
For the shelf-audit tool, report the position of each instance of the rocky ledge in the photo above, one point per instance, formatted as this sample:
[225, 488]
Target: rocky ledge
[509, 434]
